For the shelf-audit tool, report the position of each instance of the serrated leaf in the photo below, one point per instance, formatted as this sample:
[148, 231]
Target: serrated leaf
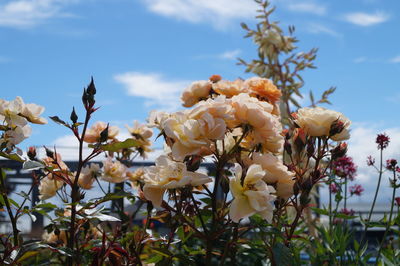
[59, 121]
[32, 165]
[12, 156]
[103, 217]
[117, 146]
[27, 255]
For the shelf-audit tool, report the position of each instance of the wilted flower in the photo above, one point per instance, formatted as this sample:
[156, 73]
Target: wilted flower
[356, 190]
[168, 174]
[114, 172]
[317, 122]
[382, 140]
[345, 167]
[93, 133]
[197, 91]
[252, 195]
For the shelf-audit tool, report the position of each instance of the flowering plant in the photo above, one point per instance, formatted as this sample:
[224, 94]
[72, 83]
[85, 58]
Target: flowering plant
[254, 204]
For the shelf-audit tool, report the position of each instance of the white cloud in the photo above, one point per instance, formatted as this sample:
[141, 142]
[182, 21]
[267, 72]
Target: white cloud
[154, 88]
[319, 28]
[360, 59]
[308, 7]
[219, 12]
[366, 19]
[230, 55]
[395, 59]
[361, 145]
[29, 13]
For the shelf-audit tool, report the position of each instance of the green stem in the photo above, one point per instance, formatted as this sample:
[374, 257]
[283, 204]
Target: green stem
[376, 195]
[390, 218]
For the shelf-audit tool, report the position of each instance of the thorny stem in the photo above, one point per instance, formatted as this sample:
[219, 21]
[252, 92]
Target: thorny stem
[8, 206]
[198, 213]
[75, 191]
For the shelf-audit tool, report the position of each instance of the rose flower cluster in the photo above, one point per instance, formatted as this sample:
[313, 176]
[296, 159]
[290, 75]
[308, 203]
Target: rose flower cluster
[113, 170]
[236, 123]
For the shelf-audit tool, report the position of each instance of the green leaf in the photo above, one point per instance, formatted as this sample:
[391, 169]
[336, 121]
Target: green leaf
[13, 202]
[59, 121]
[32, 165]
[24, 195]
[114, 147]
[320, 211]
[12, 156]
[282, 254]
[163, 252]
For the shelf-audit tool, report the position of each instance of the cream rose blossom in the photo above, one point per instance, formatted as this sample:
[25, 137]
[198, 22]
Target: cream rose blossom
[252, 195]
[275, 173]
[88, 175]
[48, 187]
[168, 174]
[93, 133]
[317, 122]
[114, 171]
[197, 91]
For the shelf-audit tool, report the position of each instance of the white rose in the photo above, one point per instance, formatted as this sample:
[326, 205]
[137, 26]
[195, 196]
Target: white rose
[317, 122]
[251, 197]
[168, 174]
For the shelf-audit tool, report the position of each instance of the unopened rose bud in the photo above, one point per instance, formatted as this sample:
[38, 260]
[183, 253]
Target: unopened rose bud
[49, 153]
[310, 147]
[85, 97]
[225, 185]
[73, 117]
[307, 184]
[304, 199]
[215, 78]
[339, 151]
[193, 163]
[296, 188]
[316, 175]
[288, 147]
[91, 90]
[299, 139]
[336, 127]
[104, 134]
[32, 153]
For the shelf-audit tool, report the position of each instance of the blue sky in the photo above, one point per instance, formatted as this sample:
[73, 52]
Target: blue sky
[142, 53]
